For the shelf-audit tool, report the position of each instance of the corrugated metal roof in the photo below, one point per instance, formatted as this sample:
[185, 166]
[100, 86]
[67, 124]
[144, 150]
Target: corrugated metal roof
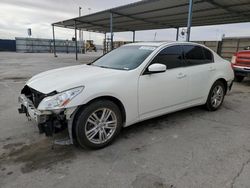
[160, 14]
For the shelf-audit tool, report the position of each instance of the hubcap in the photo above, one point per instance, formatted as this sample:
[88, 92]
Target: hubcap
[100, 126]
[217, 96]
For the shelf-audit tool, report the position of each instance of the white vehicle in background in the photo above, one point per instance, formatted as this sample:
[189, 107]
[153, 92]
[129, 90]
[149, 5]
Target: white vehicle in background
[130, 84]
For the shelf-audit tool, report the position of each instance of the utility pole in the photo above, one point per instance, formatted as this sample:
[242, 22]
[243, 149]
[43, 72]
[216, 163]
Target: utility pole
[89, 31]
[54, 40]
[177, 34]
[76, 50]
[111, 32]
[80, 34]
[189, 24]
[155, 36]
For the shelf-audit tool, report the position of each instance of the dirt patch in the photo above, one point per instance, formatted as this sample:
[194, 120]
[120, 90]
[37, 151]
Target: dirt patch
[36, 156]
[238, 93]
[13, 145]
[14, 79]
[139, 149]
[150, 181]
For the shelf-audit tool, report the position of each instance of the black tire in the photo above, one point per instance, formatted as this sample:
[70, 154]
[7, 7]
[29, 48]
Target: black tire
[239, 78]
[209, 104]
[83, 116]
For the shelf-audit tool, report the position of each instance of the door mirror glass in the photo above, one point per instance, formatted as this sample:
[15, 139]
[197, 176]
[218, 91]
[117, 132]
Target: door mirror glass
[157, 67]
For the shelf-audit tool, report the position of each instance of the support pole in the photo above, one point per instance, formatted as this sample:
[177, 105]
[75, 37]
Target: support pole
[111, 31]
[177, 34]
[54, 41]
[133, 36]
[76, 42]
[105, 44]
[189, 24]
[80, 36]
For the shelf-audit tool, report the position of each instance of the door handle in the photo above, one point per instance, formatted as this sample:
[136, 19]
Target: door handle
[212, 68]
[181, 75]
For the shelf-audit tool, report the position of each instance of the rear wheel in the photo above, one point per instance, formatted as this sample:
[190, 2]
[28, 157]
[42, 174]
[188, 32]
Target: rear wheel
[98, 124]
[239, 78]
[216, 96]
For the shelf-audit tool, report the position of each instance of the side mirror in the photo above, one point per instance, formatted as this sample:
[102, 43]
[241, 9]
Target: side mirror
[156, 68]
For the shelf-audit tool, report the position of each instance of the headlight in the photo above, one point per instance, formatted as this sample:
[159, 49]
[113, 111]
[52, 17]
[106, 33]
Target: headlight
[59, 100]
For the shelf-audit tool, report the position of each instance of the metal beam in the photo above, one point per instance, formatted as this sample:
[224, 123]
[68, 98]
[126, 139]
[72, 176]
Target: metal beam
[167, 8]
[141, 14]
[97, 25]
[133, 36]
[140, 19]
[80, 36]
[239, 13]
[177, 34]
[189, 24]
[195, 22]
[111, 32]
[54, 40]
[175, 14]
[216, 17]
[105, 44]
[198, 11]
[153, 10]
[76, 42]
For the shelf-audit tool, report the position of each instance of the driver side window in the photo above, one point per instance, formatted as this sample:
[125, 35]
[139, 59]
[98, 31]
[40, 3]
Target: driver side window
[171, 56]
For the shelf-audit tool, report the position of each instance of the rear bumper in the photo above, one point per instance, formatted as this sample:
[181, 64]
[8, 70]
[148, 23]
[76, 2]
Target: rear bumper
[242, 71]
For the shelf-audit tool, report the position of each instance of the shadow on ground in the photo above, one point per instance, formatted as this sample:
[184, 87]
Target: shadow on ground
[36, 156]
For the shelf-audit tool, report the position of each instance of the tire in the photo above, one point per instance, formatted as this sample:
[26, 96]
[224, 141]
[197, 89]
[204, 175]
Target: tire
[98, 124]
[239, 78]
[217, 93]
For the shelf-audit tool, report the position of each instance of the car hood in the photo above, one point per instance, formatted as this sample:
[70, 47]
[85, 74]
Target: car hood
[68, 77]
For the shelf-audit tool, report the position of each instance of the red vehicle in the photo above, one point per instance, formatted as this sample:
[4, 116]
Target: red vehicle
[241, 64]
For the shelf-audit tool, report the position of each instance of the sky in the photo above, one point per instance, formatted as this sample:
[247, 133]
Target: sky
[19, 15]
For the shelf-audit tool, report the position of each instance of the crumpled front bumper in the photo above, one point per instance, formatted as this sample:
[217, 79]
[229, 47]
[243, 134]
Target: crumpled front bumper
[31, 112]
[49, 122]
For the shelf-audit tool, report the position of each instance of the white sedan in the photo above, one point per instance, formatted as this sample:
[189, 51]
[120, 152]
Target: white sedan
[130, 84]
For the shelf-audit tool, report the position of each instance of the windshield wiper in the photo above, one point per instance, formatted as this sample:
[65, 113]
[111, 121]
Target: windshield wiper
[105, 67]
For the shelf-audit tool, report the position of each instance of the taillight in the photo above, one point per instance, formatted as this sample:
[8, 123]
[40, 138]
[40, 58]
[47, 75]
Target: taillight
[233, 61]
[232, 65]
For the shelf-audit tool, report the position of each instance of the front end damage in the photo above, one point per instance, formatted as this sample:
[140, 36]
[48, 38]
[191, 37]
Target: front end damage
[48, 122]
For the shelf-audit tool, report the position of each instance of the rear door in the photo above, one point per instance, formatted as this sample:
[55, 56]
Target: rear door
[200, 67]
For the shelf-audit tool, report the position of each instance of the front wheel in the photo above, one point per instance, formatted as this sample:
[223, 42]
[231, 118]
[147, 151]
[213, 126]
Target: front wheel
[216, 96]
[98, 124]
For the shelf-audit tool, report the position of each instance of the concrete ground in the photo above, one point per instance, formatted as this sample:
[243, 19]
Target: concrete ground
[192, 148]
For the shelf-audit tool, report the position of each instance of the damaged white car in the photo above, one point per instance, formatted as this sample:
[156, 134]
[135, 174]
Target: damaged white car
[130, 84]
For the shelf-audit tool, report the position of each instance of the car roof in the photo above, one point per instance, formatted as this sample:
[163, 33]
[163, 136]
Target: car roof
[158, 44]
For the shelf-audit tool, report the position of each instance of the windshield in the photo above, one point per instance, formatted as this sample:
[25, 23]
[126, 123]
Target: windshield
[125, 57]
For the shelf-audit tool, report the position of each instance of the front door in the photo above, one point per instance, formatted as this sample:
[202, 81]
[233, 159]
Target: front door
[160, 93]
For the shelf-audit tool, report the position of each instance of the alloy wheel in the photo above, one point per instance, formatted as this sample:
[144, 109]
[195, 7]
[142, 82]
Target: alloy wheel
[217, 96]
[100, 126]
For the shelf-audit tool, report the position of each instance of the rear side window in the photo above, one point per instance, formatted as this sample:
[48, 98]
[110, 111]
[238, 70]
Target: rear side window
[170, 56]
[209, 58]
[197, 55]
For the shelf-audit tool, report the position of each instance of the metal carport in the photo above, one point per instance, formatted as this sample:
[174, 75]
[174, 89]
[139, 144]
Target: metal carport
[160, 14]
